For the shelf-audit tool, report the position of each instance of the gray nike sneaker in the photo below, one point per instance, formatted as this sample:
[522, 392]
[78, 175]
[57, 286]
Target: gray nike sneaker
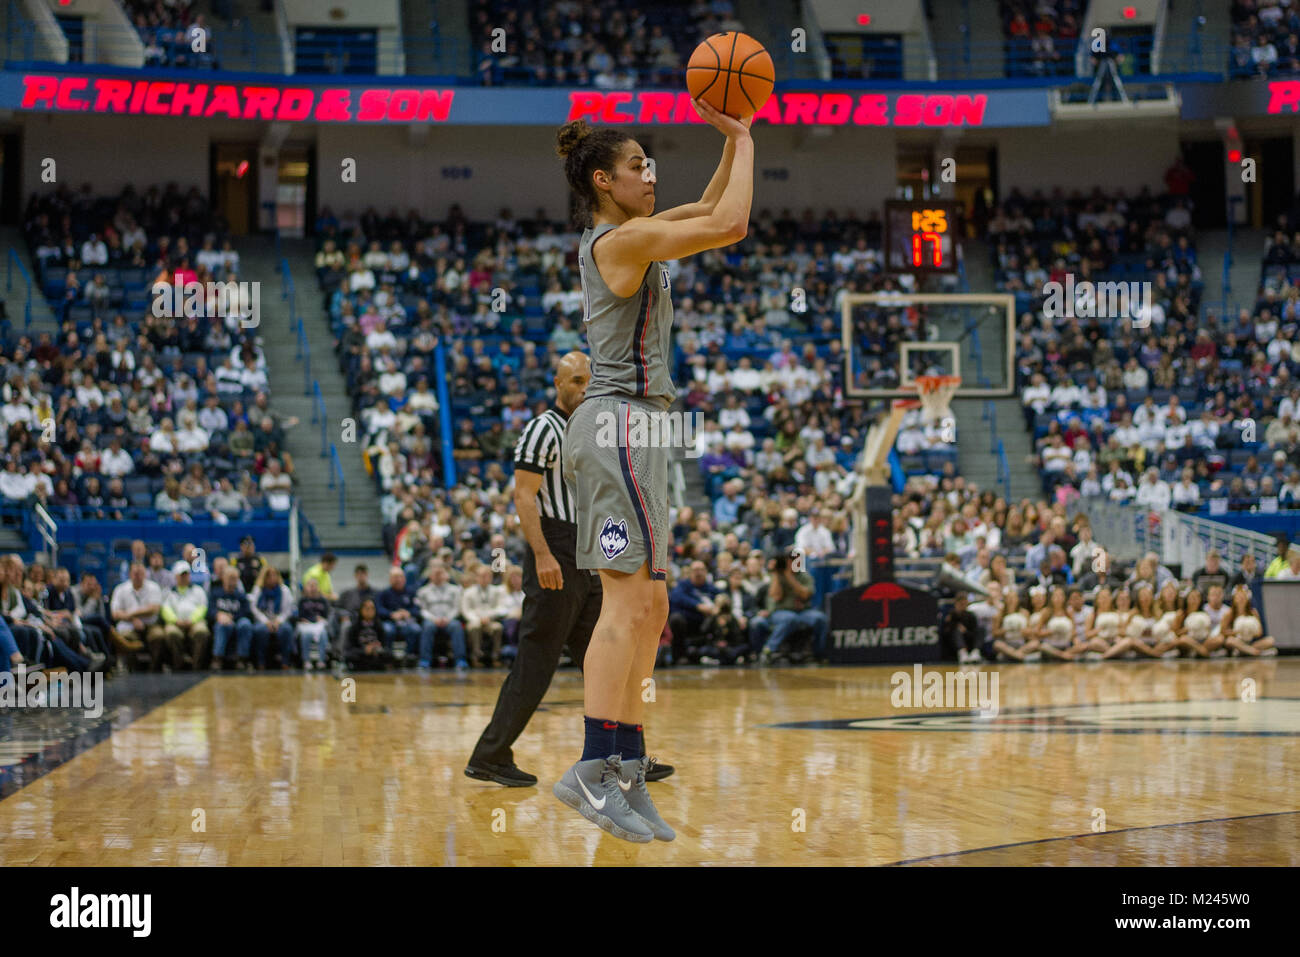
[638, 798]
[594, 789]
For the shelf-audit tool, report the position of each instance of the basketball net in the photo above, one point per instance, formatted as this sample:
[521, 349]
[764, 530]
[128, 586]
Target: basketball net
[936, 392]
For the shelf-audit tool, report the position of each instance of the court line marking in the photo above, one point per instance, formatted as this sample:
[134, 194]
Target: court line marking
[844, 724]
[101, 732]
[1072, 837]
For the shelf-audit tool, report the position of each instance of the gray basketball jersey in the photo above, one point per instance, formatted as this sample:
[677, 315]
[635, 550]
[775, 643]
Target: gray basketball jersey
[630, 338]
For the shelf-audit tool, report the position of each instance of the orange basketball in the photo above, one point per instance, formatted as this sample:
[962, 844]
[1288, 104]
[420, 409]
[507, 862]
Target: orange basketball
[732, 73]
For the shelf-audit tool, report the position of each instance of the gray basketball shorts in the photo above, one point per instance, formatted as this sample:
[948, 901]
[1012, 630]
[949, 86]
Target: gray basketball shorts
[620, 486]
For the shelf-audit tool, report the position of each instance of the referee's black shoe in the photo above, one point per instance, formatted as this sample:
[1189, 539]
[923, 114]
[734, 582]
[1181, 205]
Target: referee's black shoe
[507, 774]
[657, 771]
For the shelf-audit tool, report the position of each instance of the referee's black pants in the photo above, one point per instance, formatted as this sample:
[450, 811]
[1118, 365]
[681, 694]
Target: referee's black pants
[550, 619]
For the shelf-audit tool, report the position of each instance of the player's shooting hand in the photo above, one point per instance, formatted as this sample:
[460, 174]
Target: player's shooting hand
[729, 126]
[548, 572]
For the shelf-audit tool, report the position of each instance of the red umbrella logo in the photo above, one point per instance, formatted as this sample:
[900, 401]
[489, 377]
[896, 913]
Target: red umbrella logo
[884, 592]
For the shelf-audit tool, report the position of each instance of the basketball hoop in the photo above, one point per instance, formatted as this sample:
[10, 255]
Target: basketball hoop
[936, 391]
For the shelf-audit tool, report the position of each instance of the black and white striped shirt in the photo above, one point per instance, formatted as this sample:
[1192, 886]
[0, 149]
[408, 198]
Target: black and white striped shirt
[538, 450]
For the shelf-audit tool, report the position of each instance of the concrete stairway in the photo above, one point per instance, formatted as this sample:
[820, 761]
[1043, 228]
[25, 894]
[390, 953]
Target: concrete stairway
[1243, 274]
[248, 41]
[417, 37]
[14, 290]
[948, 33]
[976, 459]
[319, 503]
[695, 495]
[448, 21]
[1179, 54]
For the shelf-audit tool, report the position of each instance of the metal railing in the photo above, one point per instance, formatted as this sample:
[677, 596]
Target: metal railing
[26, 277]
[1227, 253]
[307, 360]
[306, 527]
[295, 545]
[1188, 538]
[286, 276]
[289, 294]
[1128, 532]
[336, 475]
[1004, 470]
[444, 416]
[319, 414]
[48, 529]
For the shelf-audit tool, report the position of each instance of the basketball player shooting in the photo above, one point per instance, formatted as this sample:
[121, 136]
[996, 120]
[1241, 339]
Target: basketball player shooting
[621, 488]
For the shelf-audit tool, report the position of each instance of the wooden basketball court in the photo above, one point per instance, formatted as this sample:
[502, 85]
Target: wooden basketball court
[1117, 763]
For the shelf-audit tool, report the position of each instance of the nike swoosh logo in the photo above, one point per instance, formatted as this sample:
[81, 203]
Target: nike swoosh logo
[591, 797]
[625, 785]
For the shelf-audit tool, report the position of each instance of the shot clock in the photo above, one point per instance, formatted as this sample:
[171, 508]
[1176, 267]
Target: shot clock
[920, 236]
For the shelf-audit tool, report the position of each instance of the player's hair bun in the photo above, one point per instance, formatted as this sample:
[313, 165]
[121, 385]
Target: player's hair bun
[570, 135]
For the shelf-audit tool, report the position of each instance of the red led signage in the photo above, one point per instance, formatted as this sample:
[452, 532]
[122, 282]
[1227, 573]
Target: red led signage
[233, 101]
[789, 109]
[1284, 93]
[292, 101]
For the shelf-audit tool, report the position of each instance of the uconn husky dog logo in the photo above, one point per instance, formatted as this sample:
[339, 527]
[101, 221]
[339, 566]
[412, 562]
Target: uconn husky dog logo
[613, 538]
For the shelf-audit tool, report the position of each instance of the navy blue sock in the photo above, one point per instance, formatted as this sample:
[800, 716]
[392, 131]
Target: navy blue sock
[630, 742]
[601, 740]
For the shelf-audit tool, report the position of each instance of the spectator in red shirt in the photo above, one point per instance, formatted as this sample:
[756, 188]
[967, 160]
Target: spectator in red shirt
[1203, 349]
[1179, 178]
[480, 274]
[184, 273]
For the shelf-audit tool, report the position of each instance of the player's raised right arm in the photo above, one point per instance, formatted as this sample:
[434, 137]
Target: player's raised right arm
[646, 239]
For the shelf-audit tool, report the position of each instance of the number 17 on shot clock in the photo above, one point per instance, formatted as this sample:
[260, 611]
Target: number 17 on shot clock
[919, 236]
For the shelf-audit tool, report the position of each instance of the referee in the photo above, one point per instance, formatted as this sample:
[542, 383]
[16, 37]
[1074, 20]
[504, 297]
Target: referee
[561, 603]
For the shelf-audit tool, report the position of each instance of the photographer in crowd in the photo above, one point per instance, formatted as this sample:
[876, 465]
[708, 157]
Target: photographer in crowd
[789, 597]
